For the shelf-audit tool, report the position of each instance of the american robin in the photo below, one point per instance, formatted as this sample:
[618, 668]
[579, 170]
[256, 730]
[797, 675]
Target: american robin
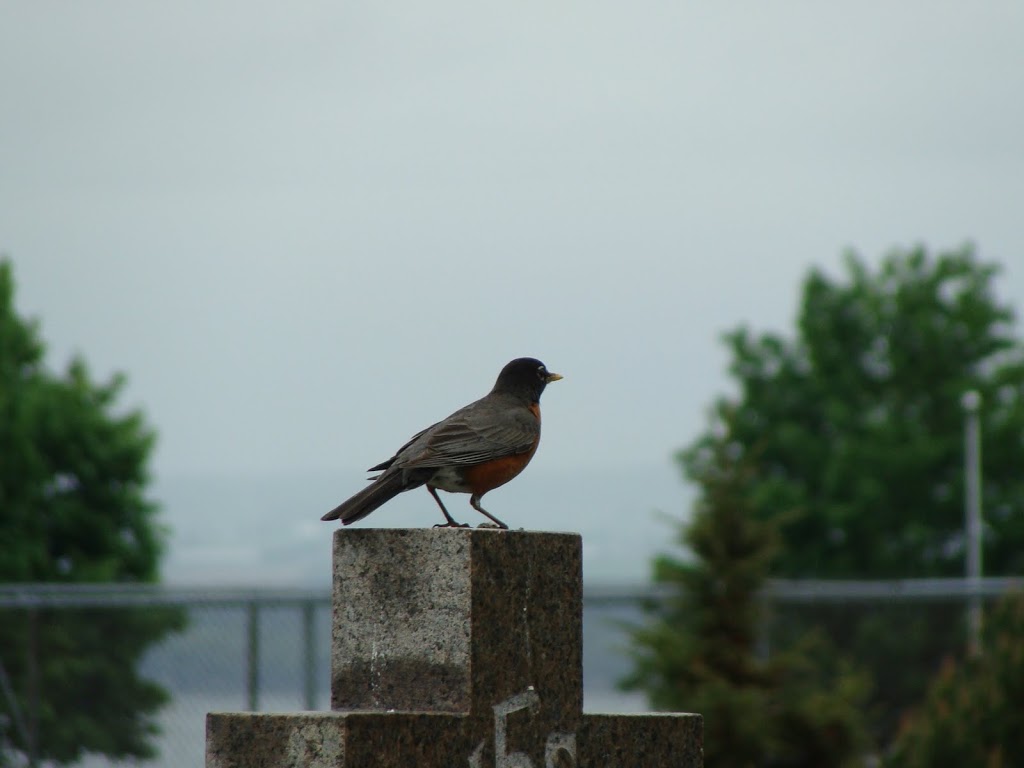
[475, 450]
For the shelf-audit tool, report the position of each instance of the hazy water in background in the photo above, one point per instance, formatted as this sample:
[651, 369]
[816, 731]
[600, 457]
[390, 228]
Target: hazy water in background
[265, 530]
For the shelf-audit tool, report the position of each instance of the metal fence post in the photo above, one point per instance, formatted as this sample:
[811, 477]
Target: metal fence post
[252, 678]
[32, 670]
[309, 655]
[972, 513]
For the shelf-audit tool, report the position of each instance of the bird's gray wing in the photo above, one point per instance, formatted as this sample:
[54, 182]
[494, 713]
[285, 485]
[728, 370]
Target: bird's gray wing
[472, 436]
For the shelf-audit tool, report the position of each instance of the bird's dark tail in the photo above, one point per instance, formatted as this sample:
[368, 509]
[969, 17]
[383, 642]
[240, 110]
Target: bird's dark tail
[380, 491]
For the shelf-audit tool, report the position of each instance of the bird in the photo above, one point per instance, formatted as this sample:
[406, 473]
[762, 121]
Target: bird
[475, 450]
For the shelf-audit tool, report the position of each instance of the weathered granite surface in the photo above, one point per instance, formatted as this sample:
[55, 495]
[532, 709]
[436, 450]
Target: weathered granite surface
[455, 647]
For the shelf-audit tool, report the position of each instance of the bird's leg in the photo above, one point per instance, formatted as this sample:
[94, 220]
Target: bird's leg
[474, 501]
[451, 522]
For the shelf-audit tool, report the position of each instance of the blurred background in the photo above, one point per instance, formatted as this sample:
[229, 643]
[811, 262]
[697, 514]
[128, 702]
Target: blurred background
[304, 233]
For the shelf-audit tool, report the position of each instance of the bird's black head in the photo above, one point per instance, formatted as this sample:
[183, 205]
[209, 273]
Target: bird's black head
[525, 376]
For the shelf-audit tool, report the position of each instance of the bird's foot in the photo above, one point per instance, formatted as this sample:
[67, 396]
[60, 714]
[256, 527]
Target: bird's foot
[493, 526]
[452, 524]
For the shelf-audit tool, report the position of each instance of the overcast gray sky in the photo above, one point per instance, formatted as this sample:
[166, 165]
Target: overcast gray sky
[307, 230]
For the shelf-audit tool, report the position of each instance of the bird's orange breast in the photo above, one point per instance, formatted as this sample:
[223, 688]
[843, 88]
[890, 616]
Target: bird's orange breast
[485, 477]
[489, 475]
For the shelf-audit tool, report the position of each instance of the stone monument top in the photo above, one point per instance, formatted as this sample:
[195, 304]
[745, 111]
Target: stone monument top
[455, 647]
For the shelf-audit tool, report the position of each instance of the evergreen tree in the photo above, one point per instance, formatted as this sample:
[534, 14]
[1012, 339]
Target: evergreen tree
[973, 713]
[700, 650]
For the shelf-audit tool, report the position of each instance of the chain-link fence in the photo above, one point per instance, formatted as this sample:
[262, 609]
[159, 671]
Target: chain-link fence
[268, 650]
[218, 649]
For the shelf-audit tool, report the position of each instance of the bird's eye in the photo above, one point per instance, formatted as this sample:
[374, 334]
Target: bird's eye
[542, 372]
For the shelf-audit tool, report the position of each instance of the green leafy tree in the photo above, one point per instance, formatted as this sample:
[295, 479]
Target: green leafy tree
[858, 428]
[972, 714]
[73, 508]
[859, 425]
[699, 652]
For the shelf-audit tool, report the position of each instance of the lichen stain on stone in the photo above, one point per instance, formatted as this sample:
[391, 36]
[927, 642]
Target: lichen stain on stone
[315, 745]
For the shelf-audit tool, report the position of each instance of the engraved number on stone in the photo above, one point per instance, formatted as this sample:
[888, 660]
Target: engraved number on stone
[559, 751]
[502, 758]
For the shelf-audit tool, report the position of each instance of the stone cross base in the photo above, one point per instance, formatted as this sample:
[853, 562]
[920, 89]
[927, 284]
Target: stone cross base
[455, 647]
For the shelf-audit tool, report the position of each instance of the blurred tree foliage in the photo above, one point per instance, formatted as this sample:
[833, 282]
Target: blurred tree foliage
[859, 425]
[801, 707]
[73, 509]
[852, 432]
[973, 713]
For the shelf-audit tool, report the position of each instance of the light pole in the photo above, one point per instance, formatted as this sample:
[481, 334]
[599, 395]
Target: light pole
[971, 402]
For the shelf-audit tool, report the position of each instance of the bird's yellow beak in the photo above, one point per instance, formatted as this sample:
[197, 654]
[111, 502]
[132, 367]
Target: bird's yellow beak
[554, 377]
